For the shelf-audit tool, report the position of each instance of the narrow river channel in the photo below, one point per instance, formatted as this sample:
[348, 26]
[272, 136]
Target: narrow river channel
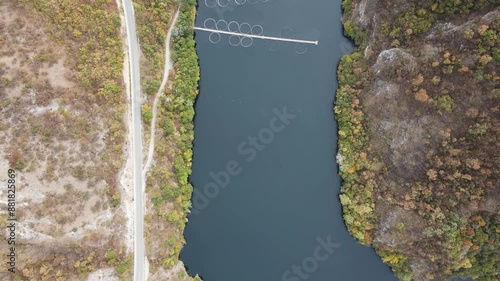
[266, 205]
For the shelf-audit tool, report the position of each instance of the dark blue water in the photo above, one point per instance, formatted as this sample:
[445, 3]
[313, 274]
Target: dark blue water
[280, 205]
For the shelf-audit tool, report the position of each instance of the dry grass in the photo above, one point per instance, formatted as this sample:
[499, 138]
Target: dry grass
[54, 132]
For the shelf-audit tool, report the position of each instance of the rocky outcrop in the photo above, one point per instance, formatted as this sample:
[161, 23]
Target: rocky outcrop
[425, 81]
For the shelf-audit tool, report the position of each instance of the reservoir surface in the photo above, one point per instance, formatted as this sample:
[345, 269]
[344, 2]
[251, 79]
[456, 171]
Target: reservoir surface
[266, 204]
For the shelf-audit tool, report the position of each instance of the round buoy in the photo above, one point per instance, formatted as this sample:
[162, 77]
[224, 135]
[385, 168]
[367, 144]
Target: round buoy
[209, 23]
[234, 40]
[214, 37]
[246, 42]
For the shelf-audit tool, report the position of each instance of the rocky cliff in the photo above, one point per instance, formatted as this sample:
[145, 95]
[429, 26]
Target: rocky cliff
[418, 113]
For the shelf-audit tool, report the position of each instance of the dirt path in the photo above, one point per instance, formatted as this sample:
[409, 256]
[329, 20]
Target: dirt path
[166, 72]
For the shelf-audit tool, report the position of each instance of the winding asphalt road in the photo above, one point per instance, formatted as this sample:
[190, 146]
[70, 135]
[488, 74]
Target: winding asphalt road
[135, 91]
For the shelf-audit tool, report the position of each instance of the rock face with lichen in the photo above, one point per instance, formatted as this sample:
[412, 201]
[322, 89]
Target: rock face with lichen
[418, 113]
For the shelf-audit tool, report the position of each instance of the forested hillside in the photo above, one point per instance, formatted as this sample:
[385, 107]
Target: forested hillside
[418, 113]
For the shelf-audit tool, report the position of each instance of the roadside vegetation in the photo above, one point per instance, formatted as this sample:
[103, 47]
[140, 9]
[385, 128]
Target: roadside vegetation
[167, 186]
[417, 108]
[153, 20]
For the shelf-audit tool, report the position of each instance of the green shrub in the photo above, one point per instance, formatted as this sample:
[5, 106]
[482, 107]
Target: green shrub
[170, 192]
[110, 256]
[168, 126]
[147, 113]
[152, 85]
[445, 103]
